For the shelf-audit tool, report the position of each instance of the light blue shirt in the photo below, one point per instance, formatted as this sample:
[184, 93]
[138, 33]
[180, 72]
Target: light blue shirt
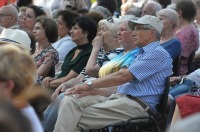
[151, 67]
[63, 46]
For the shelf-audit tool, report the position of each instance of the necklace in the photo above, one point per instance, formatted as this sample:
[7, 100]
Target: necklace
[39, 50]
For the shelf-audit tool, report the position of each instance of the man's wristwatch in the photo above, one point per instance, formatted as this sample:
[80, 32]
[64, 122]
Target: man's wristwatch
[89, 83]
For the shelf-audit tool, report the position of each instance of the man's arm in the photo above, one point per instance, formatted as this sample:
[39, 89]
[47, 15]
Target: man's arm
[114, 79]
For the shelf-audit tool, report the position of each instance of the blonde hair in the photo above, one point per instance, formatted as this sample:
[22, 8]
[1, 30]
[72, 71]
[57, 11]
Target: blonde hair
[18, 66]
[112, 25]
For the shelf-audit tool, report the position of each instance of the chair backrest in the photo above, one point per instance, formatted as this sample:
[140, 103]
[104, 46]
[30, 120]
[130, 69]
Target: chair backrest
[162, 106]
[176, 66]
[190, 59]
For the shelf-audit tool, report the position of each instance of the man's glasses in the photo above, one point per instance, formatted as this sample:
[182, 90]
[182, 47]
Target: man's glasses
[141, 28]
[3, 15]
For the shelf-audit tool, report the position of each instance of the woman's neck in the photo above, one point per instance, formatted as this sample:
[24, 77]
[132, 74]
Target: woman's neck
[111, 46]
[182, 23]
[129, 46]
[42, 45]
[166, 36]
[82, 42]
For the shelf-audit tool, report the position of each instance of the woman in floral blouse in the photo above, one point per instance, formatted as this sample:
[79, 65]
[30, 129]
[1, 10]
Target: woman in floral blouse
[46, 57]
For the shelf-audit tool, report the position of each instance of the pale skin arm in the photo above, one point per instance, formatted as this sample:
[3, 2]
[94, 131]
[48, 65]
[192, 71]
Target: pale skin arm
[176, 117]
[114, 79]
[57, 82]
[67, 85]
[101, 91]
[92, 68]
[104, 91]
[44, 68]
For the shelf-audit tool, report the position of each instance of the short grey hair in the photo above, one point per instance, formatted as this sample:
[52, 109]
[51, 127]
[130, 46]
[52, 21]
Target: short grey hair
[169, 14]
[104, 11]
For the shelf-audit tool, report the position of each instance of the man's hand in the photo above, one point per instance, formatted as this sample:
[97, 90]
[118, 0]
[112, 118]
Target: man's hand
[77, 89]
[81, 94]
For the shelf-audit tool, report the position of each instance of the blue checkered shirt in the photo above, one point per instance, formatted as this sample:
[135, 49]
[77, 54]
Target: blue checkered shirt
[150, 69]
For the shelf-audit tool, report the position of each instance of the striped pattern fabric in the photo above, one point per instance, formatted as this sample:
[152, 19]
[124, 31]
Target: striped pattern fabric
[150, 69]
[102, 59]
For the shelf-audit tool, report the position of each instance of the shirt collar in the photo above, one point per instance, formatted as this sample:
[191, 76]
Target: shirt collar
[149, 47]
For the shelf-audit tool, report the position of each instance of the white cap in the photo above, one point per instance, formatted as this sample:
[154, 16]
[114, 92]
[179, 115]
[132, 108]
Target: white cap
[147, 20]
[17, 37]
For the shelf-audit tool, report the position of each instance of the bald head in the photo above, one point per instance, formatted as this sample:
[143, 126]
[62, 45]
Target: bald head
[151, 8]
[8, 16]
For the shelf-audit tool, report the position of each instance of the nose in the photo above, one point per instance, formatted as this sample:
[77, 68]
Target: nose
[118, 32]
[24, 17]
[34, 30]
[100, 32]
[133, 33]
[71, 31]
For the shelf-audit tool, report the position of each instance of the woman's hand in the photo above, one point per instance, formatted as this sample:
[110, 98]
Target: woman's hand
[97, 42]
[175, 80]
[46, 81]
[59, 90]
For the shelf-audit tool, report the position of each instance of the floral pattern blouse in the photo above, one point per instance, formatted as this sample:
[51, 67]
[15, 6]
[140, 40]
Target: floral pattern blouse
[46, 55]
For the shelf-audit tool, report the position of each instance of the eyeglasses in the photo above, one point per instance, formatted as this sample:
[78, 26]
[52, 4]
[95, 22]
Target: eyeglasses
[141, 28]
[3, 15]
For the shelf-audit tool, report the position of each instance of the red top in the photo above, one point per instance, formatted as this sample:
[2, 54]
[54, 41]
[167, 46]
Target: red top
[188, 105]
[6, 2]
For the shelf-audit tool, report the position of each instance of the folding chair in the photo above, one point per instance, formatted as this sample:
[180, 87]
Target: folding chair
[176, 66]
[190, 62]
[144, 123]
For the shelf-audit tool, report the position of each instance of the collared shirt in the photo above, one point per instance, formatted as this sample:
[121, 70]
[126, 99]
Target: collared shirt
[150, 69]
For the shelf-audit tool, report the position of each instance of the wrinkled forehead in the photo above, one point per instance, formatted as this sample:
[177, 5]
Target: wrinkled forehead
[4, 10]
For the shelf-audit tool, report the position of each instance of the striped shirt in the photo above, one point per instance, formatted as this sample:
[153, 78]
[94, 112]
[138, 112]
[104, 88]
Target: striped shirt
[102, 59]
[150, 69]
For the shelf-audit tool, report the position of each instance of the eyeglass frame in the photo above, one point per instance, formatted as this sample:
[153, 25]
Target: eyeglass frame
[3, 15]
[144, 27]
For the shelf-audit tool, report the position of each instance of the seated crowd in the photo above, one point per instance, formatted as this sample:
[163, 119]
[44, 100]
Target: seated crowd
[72, 66]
